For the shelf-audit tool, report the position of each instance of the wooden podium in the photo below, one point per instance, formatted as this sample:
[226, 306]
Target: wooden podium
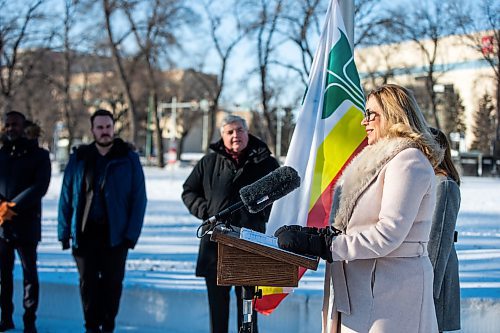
[246, 263]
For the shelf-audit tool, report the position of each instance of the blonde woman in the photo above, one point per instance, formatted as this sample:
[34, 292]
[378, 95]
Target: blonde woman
[380, 279]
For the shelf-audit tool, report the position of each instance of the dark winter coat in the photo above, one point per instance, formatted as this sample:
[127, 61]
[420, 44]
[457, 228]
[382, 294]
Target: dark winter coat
[443, 256]
[214, 185]
[124, 194]
[24, 179]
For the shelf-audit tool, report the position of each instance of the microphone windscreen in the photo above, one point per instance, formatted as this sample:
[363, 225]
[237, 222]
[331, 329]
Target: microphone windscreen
[269, 188]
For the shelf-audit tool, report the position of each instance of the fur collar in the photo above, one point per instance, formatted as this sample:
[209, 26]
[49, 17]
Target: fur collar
[361, 172]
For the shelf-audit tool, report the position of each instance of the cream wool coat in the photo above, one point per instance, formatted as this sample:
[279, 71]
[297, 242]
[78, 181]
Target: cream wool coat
[381, 277]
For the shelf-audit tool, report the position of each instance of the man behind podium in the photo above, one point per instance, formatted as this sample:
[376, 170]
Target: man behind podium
[238, 159]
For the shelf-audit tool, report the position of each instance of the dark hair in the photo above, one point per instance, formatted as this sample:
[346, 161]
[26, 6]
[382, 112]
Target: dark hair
[101, 112]
[32, 130]
[16, 113]
[446, 165]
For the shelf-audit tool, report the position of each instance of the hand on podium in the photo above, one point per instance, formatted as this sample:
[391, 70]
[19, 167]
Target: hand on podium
[306, 240]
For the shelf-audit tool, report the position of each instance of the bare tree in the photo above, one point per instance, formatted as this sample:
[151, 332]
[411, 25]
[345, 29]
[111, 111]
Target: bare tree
[155, 34]
[381, 70]
[491, 10]
[110, 7]
[226, 32]
[301, 25]
[266, 40]
[370, 23]
[487, 44]
[299, 22]
[425, 23]
[34, 96]
[16, 27]
[60, 76]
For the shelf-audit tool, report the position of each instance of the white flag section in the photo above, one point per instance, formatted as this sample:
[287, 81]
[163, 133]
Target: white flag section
[312, 126]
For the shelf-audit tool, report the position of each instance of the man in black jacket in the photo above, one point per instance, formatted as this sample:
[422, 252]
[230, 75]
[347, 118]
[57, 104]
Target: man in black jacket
[239, 159]
[24, 180]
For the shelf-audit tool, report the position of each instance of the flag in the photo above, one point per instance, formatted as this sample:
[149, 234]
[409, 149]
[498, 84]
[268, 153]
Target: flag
[327, 136]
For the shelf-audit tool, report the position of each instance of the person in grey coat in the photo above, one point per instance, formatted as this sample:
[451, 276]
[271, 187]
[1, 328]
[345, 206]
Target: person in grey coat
[441, 246]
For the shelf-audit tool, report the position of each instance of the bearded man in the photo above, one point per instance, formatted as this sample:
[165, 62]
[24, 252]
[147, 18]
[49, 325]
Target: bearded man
[101, 210]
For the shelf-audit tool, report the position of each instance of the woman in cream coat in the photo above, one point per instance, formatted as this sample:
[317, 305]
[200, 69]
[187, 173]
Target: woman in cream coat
[381, 276]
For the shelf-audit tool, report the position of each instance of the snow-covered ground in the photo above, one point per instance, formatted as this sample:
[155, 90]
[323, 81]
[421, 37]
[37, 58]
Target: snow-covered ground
[163, 295]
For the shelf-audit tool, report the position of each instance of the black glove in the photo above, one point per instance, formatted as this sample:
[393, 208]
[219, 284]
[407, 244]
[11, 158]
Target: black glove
[65, 244]
[309, 230]
[295, 227]
[306, 240]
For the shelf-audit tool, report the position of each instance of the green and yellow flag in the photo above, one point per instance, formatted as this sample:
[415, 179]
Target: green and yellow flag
[327, 136]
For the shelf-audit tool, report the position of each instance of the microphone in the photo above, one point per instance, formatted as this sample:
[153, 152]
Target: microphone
[261, 193]
[224, 214]
[269, 188]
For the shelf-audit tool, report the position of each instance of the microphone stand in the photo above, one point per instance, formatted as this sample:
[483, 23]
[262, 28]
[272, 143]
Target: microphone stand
[249, 293]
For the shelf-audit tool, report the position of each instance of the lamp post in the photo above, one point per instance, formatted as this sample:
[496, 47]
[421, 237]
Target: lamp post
[174, 105]
[204, 106]
[149, 133]
[279, 125]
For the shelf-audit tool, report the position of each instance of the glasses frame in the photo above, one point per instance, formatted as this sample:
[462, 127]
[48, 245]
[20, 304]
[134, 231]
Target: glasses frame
[369, 115]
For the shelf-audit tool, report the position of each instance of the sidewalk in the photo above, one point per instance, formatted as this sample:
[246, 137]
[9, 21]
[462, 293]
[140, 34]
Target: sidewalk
[149, 309]
[46, 325]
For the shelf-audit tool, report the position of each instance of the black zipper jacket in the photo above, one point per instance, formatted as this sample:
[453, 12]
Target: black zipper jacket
[24, 179]
[214, 185]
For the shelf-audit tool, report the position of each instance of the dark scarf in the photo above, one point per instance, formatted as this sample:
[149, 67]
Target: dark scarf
[237, 157]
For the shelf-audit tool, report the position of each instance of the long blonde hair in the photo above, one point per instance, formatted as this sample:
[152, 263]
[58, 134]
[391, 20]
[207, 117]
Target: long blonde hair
[404, 119]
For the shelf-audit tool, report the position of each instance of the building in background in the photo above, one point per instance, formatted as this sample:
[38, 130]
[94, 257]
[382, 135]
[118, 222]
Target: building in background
[60, 102]
[459, 69]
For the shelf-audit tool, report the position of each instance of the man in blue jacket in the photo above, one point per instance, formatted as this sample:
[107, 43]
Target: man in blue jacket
[24, 180]
[101, 209]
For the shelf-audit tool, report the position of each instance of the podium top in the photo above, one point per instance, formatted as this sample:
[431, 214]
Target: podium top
[232, 238]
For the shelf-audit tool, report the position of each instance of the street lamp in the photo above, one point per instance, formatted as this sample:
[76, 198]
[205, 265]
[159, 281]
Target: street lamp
[204, 107]
[279, 125]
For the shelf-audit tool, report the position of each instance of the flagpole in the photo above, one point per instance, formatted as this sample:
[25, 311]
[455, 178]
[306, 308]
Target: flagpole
[347, 10]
